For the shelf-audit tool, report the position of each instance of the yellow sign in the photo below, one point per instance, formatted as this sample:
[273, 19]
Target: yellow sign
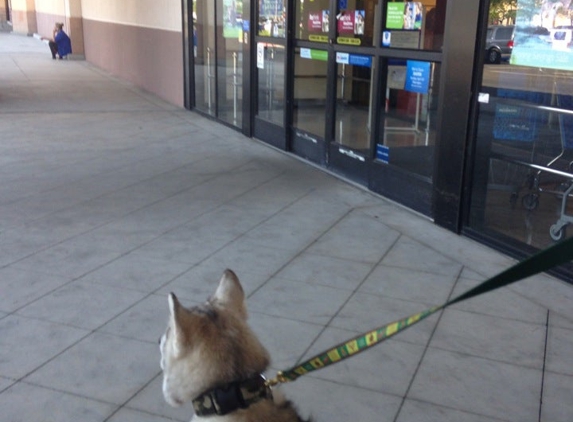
[318, 38]
[348, 41]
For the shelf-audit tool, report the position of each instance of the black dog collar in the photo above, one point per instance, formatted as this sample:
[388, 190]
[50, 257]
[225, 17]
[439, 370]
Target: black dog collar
[230, 397]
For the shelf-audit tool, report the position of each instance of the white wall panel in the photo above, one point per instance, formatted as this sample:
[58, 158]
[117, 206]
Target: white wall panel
[157, 14]
[51, 7]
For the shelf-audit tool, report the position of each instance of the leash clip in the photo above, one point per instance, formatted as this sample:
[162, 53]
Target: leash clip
[278, 379]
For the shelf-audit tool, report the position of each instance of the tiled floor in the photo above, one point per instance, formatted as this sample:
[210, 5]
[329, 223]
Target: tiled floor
[111, 198]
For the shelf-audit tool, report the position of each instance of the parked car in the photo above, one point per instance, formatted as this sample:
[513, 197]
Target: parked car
[499, 43]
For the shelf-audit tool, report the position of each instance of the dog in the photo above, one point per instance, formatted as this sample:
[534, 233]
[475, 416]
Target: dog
[210, 357]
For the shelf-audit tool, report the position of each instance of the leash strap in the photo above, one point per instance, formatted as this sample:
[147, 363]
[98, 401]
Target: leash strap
[544, 260]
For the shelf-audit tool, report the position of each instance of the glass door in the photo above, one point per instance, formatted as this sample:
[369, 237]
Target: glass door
[311, 75]
[230, 61]
[310, 105]
[349, 147]
[411, 38]
[218, 59]
[204, 56]
[354, 100]
[334, 71]
[270, 84]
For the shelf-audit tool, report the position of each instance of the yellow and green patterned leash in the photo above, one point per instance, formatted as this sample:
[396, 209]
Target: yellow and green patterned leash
[544, 260]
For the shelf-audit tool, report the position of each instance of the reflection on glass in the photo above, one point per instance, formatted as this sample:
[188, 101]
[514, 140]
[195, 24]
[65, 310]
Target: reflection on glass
[523, 175]
[272, 18]
[409, 117]
[204, 52]
[271, 83]
[357, 24]
[353, 105]
[312, 20]
[230, 63]
[414, 25]
[310, 90]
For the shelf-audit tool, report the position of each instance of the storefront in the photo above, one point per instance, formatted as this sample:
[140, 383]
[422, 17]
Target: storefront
[396, 96]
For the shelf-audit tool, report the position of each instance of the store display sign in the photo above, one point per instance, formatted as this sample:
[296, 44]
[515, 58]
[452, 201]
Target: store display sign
[396, 77]
[354, 59]
[417, 76]
[315, 21]
[309, 53]
[318, 21]
[260, 55]
[346, 23]
[383, 153]
[351, 22]
[348, 41]
[395, 15]
[406, 15]
[547, 46]
[403, 25]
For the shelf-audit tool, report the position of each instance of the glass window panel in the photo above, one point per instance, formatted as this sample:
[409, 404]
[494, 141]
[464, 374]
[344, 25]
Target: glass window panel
[524, 172]
[353, 105]
[522, 189]
[272, 18]
[414, 24]
[204, 52]
[408, 131]
[271, 83]
[357, 22]
[312, 20]
[310, 90]
[230, 63]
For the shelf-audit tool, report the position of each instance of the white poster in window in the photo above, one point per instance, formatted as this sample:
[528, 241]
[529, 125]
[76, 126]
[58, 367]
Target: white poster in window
[261, 55]
[543, 34]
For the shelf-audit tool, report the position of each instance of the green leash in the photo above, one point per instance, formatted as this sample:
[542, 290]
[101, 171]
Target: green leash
[544, 260]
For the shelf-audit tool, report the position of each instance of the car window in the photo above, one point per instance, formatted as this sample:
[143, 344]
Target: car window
[503, 33]
[489, 33]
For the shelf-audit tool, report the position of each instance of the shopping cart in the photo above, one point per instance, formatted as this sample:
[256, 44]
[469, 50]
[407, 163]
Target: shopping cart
[565, 102]
[515, 126]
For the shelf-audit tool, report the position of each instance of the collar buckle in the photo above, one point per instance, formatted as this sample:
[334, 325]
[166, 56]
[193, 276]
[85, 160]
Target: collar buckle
[231, 397]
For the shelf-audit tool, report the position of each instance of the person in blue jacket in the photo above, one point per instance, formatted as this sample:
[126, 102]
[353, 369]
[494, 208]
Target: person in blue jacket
[61, 43]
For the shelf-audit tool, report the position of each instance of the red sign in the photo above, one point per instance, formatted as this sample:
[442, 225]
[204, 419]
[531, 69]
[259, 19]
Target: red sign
[315, 21]
[346, 23]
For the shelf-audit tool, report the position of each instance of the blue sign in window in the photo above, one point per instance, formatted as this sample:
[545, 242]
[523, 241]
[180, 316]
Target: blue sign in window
[354, 59]
[359, 60]
[383, 153]
[417, 76]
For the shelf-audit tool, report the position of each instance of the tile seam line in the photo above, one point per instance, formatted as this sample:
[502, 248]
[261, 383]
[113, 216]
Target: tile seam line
[132, 212]
[489, 418]
[156, 291]
[123, 405]
[296, 255]
[70, 393]
[350, 296]
[426, 347]
[149, 294]
[88, 177]
[544, 366]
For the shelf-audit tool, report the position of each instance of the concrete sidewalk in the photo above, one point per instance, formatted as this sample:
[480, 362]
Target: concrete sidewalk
[110, 198]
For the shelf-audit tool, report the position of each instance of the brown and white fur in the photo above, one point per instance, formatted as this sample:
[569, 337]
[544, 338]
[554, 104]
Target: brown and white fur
[211, 345]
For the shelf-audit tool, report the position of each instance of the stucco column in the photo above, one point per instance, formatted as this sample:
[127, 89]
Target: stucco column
[74, 23]
[24, 17]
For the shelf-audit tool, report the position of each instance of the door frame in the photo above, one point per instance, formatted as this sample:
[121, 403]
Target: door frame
[189, 84]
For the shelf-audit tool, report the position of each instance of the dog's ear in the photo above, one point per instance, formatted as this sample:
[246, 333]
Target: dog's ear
[230, 293]
[176, 310]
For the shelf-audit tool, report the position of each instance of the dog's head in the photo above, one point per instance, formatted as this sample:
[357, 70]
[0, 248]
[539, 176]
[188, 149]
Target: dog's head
[210, 344]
